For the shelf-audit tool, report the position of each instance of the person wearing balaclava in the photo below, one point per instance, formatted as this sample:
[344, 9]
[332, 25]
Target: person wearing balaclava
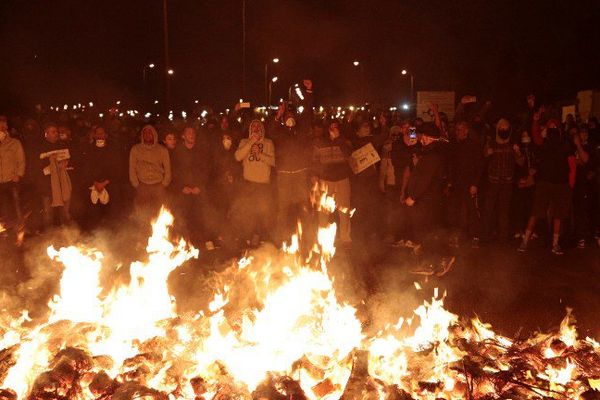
[293, 158]
[12, 170]
[502, 158]
[100, 167]
[149, 170]
[553, 192]
[254, 211]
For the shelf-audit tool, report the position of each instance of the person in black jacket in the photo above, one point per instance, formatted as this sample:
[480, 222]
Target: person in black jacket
[100, 168]
[293, 159]
[425, 184]
[191, 161]
[465, 167]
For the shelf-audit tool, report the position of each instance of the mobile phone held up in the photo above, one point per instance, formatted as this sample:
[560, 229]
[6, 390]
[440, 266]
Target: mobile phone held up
[412, 133]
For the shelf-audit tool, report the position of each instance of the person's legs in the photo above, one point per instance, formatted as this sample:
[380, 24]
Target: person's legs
[48, 212]
[341, 190]
[504, 193]
[489, 215]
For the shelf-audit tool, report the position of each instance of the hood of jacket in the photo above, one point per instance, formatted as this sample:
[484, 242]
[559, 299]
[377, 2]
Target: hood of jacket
[154, 135]
[261, 131]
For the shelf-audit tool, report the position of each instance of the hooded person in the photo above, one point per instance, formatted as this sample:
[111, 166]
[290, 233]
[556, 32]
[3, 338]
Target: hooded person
[12, 170]
[253, 211]
[149, 169]
[502, 158]
[293, 160]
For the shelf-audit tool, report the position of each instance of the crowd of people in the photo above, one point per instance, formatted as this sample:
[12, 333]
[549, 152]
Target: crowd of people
[239, 178]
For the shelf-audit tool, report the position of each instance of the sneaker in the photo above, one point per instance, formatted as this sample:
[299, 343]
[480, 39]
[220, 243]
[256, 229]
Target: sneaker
[523, 247]
[475, 243]
[556, 249]
[581, 244]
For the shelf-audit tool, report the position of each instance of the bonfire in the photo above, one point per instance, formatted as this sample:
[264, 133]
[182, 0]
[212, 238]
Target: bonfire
[274, 329]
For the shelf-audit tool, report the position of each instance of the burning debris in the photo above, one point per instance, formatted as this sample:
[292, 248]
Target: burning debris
[274, 329]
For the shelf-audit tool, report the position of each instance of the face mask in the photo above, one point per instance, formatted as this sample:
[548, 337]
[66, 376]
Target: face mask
[290, 122]
[525, 140]
[100, 142]
[226, 144]
[3, 136]
[62, 136]
[504, 134]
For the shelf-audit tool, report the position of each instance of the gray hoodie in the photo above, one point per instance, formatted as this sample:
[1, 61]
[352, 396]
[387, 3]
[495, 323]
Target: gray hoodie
[257, 165]
[149, 164]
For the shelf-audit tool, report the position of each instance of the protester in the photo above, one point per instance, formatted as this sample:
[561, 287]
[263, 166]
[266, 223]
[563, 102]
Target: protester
[553, 191]
[254, 209]
[502, 158]
[191, 167]
[52, 178]
[465, 168]
[12, 170]
[293, 159]
[149, 170]
[100, 170]
[331, 171]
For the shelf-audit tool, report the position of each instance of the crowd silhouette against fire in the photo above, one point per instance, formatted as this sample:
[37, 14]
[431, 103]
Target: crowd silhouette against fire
[244, 176]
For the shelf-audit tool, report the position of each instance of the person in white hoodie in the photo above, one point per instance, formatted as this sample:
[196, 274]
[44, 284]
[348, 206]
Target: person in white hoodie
[253, 211]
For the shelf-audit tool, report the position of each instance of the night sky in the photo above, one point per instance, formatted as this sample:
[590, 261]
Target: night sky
[57, 51]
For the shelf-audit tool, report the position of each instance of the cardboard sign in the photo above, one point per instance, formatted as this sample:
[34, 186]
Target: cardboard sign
[566, 110]
[444, 100]
[363, 158]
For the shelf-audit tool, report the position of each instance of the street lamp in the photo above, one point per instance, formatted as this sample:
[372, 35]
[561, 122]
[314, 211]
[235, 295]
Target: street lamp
[267, 84]
[357, 63]
[412, 84]
[170, 71]
[273, 80]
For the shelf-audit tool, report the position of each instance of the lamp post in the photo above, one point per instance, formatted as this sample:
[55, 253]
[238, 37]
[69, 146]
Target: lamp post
[267, 84]
[271, 82]
[359, 65]
[412, 84]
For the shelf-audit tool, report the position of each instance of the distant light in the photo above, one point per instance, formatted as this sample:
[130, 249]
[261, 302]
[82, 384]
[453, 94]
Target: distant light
[155, 101]
[184, 114]
[204, 113]
[356, 63]
[151, 65]
[320, 108]
[227, 110]
[196, 101]
[101, 115]
[300, 109]
[241, 100]
[274, 79]
[404, 72]
[351, 108]
[91, 104]
[281, 100]
[276, 60]
[170, 71]
[393, 108]
[66, 107]
[118, 102]
[405, 106]
[148, 115]
[339, 108]
[299, 93]
[74, 106]
[120, 114]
